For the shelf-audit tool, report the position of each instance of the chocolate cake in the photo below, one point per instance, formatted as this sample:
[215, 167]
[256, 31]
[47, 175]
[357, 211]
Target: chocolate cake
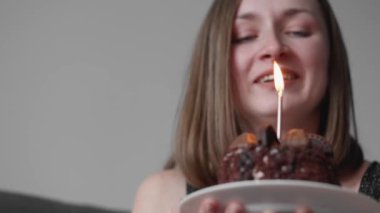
[299, 156]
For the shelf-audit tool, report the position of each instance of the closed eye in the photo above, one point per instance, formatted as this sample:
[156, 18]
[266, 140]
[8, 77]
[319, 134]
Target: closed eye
[301, 34]
[244, 39]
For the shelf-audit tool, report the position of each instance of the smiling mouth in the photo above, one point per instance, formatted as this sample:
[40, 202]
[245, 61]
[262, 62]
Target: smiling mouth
[270, 78]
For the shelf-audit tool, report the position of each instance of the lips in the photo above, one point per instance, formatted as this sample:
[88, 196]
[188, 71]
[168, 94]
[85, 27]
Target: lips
[268, 77]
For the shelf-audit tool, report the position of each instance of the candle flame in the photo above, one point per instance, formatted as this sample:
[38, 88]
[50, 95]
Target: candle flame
[278, 78]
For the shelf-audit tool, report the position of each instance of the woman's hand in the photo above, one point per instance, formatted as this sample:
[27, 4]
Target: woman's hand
[301, 209]
[210, 205]
[304, 209]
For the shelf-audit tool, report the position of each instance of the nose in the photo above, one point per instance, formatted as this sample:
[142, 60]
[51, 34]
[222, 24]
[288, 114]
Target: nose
[273, 47]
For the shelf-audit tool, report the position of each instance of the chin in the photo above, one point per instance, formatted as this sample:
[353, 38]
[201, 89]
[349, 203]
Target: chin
[263, 117]
[268, 110]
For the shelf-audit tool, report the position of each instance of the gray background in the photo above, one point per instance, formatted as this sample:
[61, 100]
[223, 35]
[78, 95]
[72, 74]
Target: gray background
[89, 90]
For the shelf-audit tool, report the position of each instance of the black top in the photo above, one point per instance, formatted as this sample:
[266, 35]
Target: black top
[370, 183]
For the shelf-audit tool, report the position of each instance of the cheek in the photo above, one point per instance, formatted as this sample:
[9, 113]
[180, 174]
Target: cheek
[314, 61]
[240, 67]
[318, 68]
[319, 60]
[241, 60]
[316, 55]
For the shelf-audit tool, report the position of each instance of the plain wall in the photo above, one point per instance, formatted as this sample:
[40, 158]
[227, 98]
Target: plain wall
[89, 90]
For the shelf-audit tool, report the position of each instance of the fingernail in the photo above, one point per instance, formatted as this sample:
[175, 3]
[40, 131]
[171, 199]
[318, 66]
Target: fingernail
[210, 205]
[235, 208]
[303, 209]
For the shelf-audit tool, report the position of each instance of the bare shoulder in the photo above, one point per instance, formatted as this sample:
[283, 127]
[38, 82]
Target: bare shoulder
[160, 192]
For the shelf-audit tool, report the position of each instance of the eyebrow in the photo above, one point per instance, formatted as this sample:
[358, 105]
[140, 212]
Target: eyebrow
[287, 14]
[246, 16]
[294, 11]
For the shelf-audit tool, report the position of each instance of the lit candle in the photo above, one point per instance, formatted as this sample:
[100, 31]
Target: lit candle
[280, 86]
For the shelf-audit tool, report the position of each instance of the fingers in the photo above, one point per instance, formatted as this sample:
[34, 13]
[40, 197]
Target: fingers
[268, 211]
[303, 209]
[234, 207]
[210, 205]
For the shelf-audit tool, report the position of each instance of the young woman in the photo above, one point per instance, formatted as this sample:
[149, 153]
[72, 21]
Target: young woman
[230, 91]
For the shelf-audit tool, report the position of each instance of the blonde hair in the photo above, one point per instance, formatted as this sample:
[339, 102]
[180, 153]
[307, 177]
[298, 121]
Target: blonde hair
[208, 121]
[338, 113]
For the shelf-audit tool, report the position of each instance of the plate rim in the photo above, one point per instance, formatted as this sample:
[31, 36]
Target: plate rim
[263, 183]
[300, 184]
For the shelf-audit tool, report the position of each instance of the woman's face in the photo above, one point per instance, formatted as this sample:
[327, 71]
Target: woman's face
[293, 33]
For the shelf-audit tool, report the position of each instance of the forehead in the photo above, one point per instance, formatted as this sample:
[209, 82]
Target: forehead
[277, 7]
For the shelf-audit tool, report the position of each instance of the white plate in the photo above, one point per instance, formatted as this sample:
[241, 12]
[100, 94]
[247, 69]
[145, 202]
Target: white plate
[284, 196]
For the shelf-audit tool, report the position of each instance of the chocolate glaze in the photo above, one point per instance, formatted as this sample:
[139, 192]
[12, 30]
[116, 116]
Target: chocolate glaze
[299, 156]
